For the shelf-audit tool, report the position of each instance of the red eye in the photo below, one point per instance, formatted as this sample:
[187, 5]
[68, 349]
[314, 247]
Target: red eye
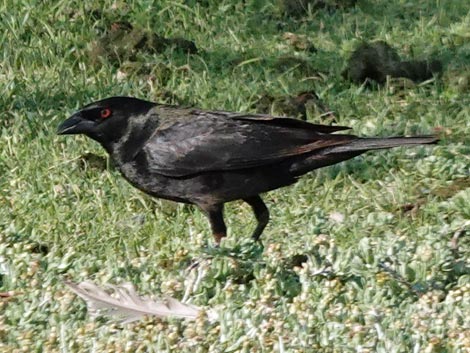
[105, 113]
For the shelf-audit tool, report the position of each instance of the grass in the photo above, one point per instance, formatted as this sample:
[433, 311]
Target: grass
[377, 278]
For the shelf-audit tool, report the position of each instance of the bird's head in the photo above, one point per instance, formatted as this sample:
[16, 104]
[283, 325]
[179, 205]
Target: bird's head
[106, 120]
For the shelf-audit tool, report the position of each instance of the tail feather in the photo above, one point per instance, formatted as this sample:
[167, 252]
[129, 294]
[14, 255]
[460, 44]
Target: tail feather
[335, 154]
[375, 143]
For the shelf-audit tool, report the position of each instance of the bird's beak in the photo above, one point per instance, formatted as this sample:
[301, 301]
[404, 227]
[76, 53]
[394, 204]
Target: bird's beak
[76, 124]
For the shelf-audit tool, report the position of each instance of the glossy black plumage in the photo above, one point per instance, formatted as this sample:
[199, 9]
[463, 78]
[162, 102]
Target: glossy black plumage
[208, 158]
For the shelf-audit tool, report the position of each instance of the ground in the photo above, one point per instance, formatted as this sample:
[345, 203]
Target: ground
[371, 255]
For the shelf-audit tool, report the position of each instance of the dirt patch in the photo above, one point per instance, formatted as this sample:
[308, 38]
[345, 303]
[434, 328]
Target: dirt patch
[375, 61]
[298, 106]
[299, 42]
[299, 8]
[122, 42]
[443, 193]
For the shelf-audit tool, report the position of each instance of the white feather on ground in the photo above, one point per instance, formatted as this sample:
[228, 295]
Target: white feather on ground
[124, 304]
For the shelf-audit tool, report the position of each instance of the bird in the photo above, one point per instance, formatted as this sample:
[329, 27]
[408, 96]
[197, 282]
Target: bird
[210, 157]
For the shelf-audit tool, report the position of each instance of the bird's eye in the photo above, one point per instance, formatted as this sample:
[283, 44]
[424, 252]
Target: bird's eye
[105, 113]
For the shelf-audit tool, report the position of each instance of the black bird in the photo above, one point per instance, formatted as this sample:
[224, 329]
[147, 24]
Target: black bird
[208, 158]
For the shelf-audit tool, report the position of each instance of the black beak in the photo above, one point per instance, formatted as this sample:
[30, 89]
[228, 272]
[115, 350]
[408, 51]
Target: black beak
[76, 124]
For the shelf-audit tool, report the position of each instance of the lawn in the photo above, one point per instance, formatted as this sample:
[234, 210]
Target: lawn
[371, 255]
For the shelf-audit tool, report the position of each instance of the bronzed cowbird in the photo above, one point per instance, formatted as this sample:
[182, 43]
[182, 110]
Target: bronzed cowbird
[208, 158]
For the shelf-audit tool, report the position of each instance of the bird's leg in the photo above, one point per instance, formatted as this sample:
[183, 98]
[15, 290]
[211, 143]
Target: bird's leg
[215, 213]
[261, 213]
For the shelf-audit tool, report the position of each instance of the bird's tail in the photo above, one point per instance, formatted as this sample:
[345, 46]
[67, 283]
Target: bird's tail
[376, 143]
[335, 154]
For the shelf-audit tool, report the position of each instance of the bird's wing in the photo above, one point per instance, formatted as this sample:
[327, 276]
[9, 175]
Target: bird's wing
[202, 141]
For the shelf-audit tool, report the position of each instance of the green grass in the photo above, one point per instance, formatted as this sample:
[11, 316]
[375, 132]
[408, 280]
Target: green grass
[382, 280]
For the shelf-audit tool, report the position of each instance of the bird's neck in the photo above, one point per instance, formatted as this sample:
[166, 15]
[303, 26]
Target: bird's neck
[135, 136]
